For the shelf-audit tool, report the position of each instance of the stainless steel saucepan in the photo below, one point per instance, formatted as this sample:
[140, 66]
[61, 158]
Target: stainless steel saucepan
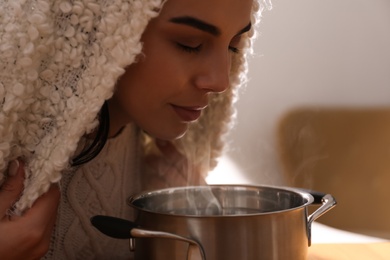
[219, 222]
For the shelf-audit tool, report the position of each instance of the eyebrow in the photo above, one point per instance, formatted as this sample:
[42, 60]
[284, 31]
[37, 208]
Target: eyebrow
[203, 26]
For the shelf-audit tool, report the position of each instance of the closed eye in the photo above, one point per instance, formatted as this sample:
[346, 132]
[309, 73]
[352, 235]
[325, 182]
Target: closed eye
[196, 49]
[189, 49]
[234, 49]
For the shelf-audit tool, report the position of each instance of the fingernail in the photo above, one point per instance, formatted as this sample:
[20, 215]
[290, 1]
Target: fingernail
[13, 168]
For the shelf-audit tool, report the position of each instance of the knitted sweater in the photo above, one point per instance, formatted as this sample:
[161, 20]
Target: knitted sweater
[102, 187]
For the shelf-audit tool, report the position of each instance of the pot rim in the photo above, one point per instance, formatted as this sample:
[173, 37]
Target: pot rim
[141, 195]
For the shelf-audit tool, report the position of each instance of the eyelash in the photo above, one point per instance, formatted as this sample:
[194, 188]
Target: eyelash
[234, 49]
[189, 49]
[196, 49]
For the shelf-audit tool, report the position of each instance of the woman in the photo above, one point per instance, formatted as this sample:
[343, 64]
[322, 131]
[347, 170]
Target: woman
[108, 98]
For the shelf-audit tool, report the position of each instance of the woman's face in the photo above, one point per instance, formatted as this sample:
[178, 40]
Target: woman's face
[187, 55]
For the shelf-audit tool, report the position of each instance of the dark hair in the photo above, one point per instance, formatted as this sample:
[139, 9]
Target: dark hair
[91, 151]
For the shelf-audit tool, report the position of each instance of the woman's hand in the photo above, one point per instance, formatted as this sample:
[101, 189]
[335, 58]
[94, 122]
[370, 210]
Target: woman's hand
[27, 236]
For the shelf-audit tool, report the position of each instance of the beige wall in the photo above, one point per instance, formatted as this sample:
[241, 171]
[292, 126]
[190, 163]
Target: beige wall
[309, 52]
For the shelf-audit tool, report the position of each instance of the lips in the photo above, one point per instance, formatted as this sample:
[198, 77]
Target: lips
[188, 114]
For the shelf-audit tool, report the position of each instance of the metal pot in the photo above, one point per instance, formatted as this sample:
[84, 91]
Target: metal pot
[219, 222]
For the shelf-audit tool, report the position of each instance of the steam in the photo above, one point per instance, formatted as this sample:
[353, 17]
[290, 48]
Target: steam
[199, 201]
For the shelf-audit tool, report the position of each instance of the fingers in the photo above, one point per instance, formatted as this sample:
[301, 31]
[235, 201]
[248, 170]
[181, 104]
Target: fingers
[31, 232]
[42, 216]
[46, 204]
[12, 187]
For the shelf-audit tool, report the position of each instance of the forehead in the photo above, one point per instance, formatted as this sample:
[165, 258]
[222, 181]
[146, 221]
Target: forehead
[226, 14]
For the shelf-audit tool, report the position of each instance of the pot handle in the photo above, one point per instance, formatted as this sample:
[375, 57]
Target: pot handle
[124, 229]
[327, 201]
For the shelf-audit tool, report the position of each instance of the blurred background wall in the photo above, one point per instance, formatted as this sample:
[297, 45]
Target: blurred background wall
[308, 53]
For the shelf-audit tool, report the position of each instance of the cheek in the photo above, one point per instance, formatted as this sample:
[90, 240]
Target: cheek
[140, 94]
[164, 61]
[146, 89]
[157, 78]
[141, 80]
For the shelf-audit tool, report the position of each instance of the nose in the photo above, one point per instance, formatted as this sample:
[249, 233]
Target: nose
[213, 74]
